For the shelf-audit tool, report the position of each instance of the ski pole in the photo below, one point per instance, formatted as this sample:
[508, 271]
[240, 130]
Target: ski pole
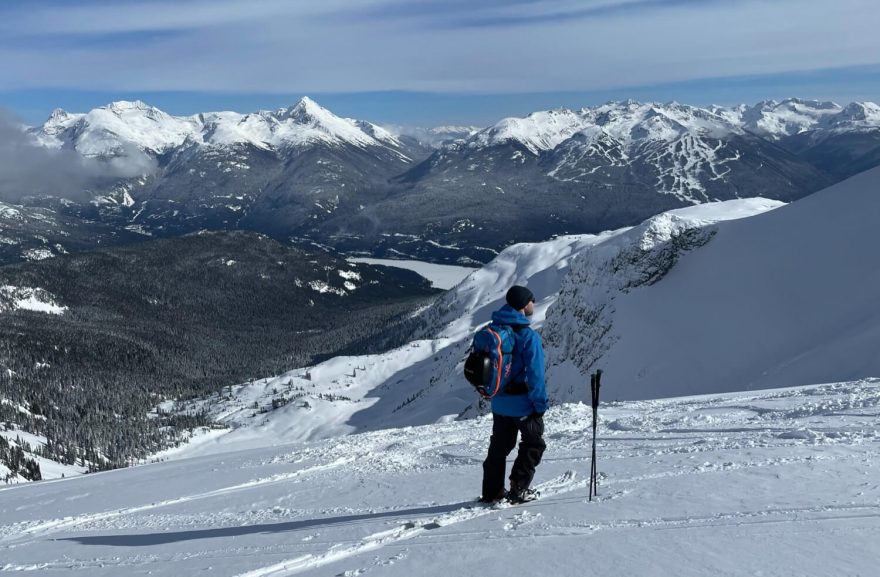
[595, 383]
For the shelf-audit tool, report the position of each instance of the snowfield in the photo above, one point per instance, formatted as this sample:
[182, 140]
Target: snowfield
[781, 482]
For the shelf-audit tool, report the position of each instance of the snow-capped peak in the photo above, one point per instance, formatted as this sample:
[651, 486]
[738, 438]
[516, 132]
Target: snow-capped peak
[633, 123]
[309, 122]
[306, 111]
[59, 114]
[537, 132]
[121, 106]
[857, 113]
[628, 122]
[454, 130]
[110, 130]
[776, 120]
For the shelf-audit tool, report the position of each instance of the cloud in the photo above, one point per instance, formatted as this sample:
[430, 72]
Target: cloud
[28, 169]
[511, 13]
[461, 46]
[101, 17]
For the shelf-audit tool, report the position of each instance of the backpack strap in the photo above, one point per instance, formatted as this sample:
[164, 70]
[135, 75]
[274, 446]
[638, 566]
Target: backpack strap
[498, 372]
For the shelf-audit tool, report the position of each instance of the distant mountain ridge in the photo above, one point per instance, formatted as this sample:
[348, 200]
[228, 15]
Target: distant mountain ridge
[453, 194]
[101, 131]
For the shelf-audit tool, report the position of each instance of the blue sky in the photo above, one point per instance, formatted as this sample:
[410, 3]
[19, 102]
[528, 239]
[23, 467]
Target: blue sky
[428, 62]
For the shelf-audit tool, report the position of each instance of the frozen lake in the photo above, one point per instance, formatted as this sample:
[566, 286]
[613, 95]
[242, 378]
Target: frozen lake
[442, 276]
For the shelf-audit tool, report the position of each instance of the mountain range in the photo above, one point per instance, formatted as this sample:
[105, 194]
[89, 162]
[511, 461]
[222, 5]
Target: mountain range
[453, 194]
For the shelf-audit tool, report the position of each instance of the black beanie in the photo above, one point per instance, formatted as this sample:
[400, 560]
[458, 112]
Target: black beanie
[519, 296]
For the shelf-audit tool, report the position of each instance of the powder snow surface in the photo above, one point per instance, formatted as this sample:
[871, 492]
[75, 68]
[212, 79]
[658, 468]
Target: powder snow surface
[781, 482]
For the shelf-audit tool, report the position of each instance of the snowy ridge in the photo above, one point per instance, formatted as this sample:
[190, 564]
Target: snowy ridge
[775, 120]
[107, 131]
[750, 309]
[538, 131]
[633, 123]
[630, 123]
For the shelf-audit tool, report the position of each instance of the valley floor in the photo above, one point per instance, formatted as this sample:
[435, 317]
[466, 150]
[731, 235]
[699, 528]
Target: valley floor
[781, 482]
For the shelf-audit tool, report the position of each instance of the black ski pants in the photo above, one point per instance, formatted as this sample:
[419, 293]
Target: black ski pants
[531, 447]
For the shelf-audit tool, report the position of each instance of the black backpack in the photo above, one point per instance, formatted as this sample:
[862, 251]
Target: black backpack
[488, 365]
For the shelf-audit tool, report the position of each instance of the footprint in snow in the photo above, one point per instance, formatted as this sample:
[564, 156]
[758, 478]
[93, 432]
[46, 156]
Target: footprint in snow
[521, 519]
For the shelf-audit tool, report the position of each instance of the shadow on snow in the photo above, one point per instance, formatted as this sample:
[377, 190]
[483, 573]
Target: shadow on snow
[164, 538]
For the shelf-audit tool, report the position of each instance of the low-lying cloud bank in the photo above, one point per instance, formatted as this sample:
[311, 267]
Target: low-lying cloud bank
[28, 169]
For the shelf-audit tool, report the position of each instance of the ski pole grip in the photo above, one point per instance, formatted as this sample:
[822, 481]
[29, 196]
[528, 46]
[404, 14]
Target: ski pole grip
[595, 383]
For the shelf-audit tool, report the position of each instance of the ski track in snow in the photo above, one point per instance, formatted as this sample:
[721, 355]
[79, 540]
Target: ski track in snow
[357, 504]
[407, 530]
[72, 522]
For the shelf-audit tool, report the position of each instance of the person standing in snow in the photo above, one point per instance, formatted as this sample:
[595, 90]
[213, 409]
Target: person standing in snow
[519, 408]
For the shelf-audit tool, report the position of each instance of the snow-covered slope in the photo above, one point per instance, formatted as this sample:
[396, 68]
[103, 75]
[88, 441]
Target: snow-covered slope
[782, 298]
[783, 482]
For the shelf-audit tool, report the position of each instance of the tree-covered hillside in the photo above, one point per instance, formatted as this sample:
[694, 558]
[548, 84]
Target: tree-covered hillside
[174, 319]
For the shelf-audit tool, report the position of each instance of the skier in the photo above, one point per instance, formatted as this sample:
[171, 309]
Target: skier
[519, 408]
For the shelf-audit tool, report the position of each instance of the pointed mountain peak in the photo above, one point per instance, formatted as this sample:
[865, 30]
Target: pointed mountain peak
[58, 114]
[306, 110]
[305, 103]
[309, 122]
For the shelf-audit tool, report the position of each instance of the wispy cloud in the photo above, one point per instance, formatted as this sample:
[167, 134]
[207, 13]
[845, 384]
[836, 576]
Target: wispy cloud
[453, 46]
[511, 13]
[105, 17]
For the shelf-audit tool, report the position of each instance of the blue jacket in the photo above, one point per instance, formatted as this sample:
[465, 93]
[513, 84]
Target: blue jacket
[527, 366]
